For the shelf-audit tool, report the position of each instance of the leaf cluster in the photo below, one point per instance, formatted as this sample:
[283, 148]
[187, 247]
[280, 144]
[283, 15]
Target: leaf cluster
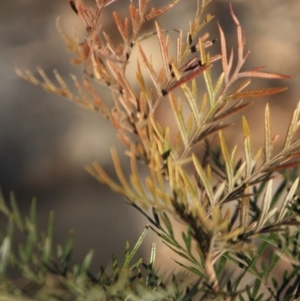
[232, 212]
[35, 270]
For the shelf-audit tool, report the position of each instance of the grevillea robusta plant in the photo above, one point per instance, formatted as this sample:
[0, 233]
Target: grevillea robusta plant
[239, 227]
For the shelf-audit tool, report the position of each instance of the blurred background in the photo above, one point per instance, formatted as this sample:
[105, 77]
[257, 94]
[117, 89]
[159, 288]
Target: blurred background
[46, 141]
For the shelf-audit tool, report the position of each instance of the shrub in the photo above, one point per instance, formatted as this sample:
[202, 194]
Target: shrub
[232, 212]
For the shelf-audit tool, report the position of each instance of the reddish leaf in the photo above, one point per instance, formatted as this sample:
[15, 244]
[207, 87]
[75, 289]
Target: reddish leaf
[164, 49]
[237, 107]
[284, 166]
[142, 7]
[108, 2]
[212, 129]
[225, 66]
[258, 93]
[240, 36]
[149, 68]
[255, 73]
[187, 78]
[153, 13]
[123, 29]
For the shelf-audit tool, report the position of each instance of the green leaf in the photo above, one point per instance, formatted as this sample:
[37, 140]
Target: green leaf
[287, 199]
[293, 127]
[87, 261]
[209, 85]
[47, 250]
[241, 298]
[194, 270]
[30, 243]
[152, 255]
[156, 218]
[5, 249]
[16, 212]
[190, 185]
[68, 248]
[177, 109]
[219, 85]
[248, 147]
[168, 224]
[129, 255]
[3, 208]
[189, 95]
[176, 251]
[248, 291]
[187, 239]
[274, 259]
[10, 227]
[265, 205]
[259, 298]
[219, 192]
[204, 179]
[228, 161]
[263, 267]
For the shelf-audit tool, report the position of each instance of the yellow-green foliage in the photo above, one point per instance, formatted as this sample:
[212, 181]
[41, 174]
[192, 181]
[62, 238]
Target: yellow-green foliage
[231, 211]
